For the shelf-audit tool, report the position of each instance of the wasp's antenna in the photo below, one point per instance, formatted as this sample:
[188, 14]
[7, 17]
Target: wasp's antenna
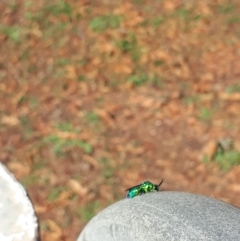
[161, 182]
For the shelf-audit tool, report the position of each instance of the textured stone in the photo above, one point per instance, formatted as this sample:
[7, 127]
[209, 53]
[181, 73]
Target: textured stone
[18, 221]
[165, 216]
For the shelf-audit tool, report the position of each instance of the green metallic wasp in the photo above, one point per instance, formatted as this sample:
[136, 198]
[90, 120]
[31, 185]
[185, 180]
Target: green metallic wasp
[144, 187]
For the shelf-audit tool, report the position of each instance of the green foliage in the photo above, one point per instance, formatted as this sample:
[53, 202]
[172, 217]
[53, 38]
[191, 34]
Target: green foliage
[108, 170]
[101, 23]
[156, 22]
[226, 8]
[60, 7]
[183, 13]
[92, 117]
[191, 100]
[39, 165]
[205, 159]
[57, 144]
[14, 33]
[54, 31]
[156, 81]
[27, 126]
[54, 194]
[62, 62]
[233, 88]
[225, 155]
[233, 19]
[142, 78]
[23, 99]
[87, 147]
[229, 9]
[138, 80]
[87, 212]
[29, 180]
[32, 68]
[138, 1]
[55, 9]
[130, 45]
[24, 55]
[126, 45]
[227, 159]
[81, 78]
[66, 127]
[158, 62]
[187, 14]
[197, 17]
[205, 114]
[13, 6]
[60, 144]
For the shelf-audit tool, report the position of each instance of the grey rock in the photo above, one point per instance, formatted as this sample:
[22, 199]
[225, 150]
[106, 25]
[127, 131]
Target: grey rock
[18, 221]
[165, 216]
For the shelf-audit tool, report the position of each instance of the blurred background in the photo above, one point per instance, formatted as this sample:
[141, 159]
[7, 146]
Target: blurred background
[97, 96]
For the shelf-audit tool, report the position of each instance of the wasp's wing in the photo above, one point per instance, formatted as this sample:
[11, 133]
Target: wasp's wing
[133, 187]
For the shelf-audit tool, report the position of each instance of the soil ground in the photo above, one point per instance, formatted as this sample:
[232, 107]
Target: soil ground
[97, 96]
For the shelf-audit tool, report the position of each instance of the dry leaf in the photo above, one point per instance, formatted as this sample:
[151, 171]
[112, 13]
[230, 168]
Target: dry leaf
[77, 188]
[10, 120]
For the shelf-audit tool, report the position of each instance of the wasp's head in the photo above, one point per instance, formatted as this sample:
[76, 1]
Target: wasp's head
[156, 188]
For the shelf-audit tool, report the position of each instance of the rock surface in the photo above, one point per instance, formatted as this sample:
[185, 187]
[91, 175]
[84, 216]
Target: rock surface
[18, 221]
[165, 216]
